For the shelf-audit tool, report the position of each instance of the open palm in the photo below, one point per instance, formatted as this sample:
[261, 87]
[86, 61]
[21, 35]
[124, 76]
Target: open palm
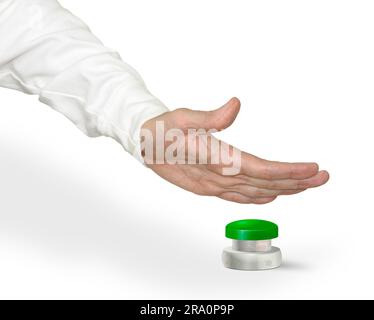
[257, 180]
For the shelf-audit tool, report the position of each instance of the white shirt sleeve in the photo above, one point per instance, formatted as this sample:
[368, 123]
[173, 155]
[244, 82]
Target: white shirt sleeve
[46, 50]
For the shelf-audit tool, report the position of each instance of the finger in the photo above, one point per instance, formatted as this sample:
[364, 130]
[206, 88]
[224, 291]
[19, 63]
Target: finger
[283, 184]
[290, 192]
[254, 192]
[263, 200]
[240, 198]
[218, 119]
[271, 170]
[235, 197]
[292, 184]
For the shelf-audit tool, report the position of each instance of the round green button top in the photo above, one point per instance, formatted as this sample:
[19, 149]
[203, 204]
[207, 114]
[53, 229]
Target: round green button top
[251, 229]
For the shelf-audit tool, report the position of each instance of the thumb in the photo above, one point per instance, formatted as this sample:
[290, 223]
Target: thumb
[218, 119]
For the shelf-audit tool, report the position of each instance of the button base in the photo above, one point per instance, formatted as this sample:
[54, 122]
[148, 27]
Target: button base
[241, 260]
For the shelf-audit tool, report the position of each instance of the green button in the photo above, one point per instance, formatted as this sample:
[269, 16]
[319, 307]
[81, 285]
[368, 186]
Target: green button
[252, 229]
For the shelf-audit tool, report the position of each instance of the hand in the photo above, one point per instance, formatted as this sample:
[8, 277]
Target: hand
[256, 181]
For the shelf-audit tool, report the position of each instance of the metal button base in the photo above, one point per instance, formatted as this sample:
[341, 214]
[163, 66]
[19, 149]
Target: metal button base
[251, 260]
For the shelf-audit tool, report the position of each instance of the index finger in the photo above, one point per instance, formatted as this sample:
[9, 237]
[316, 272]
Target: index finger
[269, 170]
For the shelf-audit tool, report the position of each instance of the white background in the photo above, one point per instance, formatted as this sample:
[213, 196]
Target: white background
[80, 218]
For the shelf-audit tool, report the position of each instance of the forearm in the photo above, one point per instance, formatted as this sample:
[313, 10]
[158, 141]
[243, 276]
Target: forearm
[45, 50]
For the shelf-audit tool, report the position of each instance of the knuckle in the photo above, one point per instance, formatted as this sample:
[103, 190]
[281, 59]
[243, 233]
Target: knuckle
[301, 185]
